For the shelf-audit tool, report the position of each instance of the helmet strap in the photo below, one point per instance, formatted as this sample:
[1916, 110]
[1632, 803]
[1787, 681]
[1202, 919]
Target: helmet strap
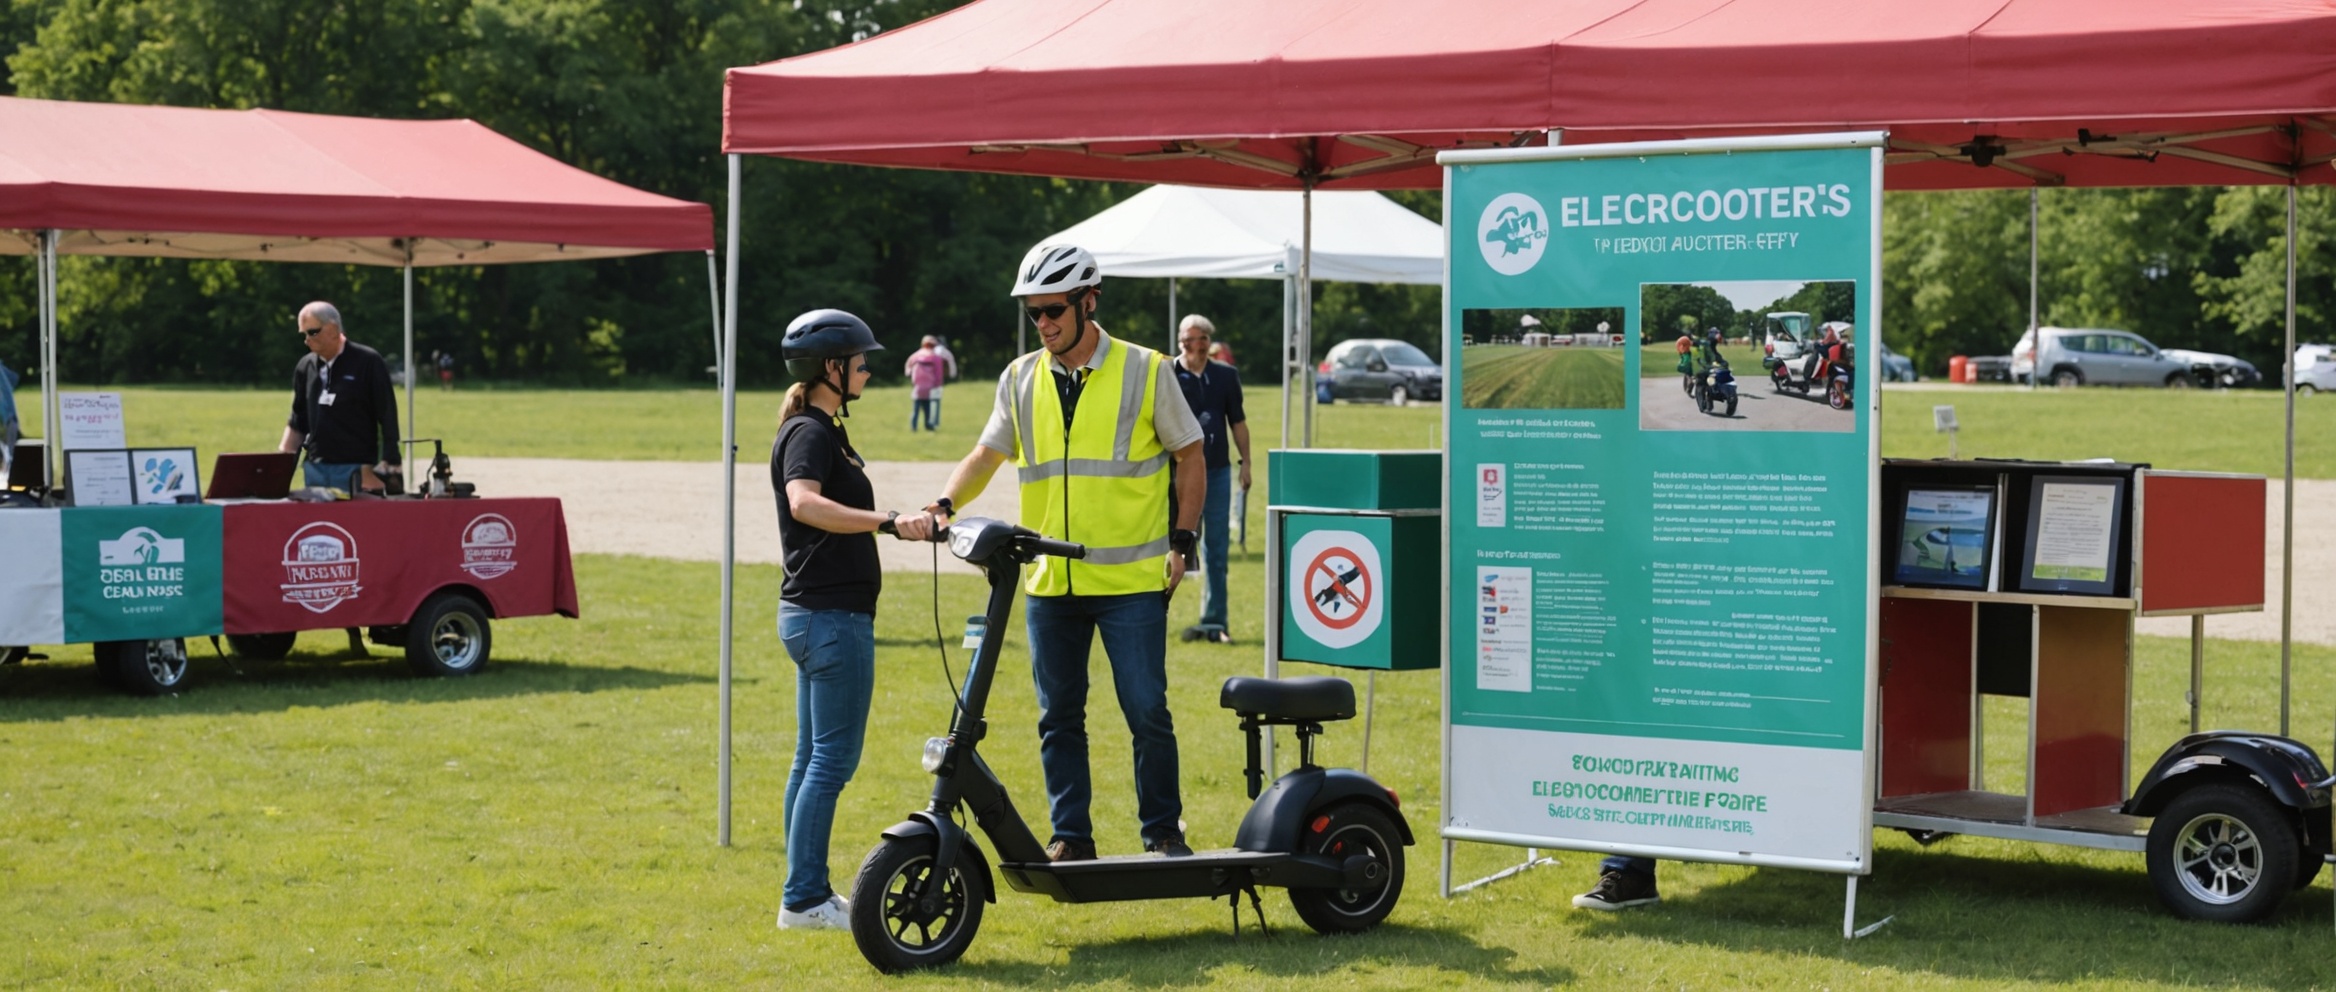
[1077, 298]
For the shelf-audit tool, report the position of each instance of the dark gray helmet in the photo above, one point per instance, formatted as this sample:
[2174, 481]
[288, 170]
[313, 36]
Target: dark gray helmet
[819, 335]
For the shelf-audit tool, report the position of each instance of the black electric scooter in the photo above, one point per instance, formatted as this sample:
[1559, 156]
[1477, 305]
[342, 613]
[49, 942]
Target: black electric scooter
[1333, 837]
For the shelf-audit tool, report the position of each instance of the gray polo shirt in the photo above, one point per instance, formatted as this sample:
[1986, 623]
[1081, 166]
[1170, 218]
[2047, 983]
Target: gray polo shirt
[1172, 419]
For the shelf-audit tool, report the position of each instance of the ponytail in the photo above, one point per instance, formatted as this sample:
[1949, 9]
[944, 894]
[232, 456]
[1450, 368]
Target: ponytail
[798, 399]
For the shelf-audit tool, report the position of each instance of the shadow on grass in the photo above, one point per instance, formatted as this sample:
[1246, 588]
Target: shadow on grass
[2022, 916]
[56, 691]
[1194, 959]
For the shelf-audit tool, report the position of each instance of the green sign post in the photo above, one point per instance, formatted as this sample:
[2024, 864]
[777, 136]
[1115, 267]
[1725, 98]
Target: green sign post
[1661, 593]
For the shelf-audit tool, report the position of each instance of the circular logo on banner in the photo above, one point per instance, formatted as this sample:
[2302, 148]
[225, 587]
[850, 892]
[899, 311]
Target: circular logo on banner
[1512, 233]
[1338, 585]
[490, 546]
[320, 567]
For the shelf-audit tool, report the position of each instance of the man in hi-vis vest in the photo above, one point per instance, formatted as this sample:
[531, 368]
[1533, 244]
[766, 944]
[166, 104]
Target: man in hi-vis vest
[1097, 429]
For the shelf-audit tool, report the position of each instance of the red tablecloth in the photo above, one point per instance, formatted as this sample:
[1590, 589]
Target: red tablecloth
[309, 566]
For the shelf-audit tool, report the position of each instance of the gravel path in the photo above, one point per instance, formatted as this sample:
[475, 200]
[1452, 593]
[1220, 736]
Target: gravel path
[674, 510]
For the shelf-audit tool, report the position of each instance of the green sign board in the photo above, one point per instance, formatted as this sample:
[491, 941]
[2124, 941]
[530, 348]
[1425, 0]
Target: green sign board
[138, 572]
[1660, 592]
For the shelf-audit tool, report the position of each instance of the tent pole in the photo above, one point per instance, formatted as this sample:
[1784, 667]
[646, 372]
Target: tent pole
[1171, 316]
[1306, 307]
[2035, 341]
[2287, 521]
[410, 349]
[1292, 379]
[729, 363]
[714, 293]
[52, 411]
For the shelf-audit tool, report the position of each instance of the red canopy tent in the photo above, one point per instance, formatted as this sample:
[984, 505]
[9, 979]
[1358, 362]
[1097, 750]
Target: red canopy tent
[116, 179]
[1364, 93]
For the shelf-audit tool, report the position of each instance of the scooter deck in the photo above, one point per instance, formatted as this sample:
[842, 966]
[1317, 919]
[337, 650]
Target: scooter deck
[1203, 875]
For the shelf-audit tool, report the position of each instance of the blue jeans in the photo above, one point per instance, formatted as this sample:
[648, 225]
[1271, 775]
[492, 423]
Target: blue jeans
[929, 410]
[335, 475]
[835, 675]
[1624, 862]
[1213, 533]
[1135, 638]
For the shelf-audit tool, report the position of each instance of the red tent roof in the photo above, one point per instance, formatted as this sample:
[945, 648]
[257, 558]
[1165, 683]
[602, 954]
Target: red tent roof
[118, 179]
[1241, 93]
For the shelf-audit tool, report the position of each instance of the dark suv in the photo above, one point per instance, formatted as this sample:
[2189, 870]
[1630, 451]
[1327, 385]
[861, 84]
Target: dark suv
[1383, 369]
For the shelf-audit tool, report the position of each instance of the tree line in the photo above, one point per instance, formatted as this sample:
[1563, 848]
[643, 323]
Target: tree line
[631, 90]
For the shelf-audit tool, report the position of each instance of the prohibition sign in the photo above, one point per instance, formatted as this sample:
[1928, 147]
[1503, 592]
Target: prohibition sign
[1338, 588]
[1337, 574]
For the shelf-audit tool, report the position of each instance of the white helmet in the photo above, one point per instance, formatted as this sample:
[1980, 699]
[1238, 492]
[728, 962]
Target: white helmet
[1056, 269]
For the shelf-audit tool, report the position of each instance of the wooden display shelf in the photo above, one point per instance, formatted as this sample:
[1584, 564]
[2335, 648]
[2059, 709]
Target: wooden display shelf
[2019, 598]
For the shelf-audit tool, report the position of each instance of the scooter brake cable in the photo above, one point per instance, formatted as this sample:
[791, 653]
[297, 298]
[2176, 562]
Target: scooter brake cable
[940, 640]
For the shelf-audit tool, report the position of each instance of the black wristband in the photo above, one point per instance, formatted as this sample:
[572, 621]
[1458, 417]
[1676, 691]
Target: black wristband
[947, 505]
[1183, 541]
[890, 524]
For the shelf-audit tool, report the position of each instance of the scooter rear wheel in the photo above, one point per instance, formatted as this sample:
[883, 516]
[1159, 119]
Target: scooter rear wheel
[1345, 831]
[893, 932]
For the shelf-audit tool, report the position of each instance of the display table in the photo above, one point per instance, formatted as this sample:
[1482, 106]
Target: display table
[96, 574]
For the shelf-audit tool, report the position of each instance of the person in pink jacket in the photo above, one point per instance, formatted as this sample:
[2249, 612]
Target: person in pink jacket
[927, 368]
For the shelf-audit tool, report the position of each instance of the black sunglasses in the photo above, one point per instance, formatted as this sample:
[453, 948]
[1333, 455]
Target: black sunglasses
[1049, 311]
[310, 332]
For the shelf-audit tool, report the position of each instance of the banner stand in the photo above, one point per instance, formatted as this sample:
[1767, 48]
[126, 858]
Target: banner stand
[1533, 859]
[1849, 928]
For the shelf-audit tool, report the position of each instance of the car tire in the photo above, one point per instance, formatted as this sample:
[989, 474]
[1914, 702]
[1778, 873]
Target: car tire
[449, 636]
[2180, 380]
[144, 668]
[2305, 389]
[2067, 378]
[1397, 395]
[2224, 852]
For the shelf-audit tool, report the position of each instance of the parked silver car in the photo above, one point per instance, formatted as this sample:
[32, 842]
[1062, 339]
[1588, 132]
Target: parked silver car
[1383, 369]
[2076, 356]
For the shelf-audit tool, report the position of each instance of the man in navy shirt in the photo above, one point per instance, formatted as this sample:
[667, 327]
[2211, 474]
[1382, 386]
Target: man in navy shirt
[1213, 390]
[344, 407]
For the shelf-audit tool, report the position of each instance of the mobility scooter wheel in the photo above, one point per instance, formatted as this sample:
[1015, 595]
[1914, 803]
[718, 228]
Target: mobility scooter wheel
[2224, 852]
[1837, 395]
[1346, 831]
[894, 933]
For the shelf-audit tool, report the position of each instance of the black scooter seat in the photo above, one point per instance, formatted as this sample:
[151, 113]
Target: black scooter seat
[1313, 697]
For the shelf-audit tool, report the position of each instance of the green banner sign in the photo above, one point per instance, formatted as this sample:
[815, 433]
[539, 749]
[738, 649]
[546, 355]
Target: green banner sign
[138, 572]
[1661, 480]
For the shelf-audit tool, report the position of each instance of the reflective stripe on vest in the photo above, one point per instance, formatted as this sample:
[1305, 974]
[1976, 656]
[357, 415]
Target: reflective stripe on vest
[1102, 483]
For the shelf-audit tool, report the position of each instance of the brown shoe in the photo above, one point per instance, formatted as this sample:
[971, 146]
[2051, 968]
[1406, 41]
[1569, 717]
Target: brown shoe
[1069, 849]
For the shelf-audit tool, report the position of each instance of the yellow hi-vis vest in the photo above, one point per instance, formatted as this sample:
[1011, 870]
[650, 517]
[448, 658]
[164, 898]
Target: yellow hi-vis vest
[1103, 482]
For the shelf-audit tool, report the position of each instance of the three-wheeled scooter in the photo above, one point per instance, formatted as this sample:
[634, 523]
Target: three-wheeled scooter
[1331, 836]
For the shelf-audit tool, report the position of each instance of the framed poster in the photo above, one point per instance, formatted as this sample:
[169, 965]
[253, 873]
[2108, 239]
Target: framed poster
[2074, 526]
[1946, 537]
[100, 478]
[165, 474]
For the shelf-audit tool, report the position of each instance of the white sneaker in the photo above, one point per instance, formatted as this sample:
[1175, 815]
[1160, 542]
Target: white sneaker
[834, 914]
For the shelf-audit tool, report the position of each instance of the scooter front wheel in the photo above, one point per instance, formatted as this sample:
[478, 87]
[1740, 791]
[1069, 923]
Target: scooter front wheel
[1343, 832]
[905, 916]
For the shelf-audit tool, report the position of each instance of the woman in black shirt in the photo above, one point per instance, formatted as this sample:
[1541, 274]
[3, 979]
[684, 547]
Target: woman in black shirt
[827, 605]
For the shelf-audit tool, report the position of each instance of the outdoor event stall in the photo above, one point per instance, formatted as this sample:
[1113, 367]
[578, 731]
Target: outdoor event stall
[1367, 93]
[110, 179]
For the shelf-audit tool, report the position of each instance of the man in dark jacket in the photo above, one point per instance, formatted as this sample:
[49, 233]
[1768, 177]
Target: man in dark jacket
[344, 407]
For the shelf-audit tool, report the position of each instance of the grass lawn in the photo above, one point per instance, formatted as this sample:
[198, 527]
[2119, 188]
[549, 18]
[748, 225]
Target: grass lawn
[2226, 431]
[326, 823]
[1513, 377]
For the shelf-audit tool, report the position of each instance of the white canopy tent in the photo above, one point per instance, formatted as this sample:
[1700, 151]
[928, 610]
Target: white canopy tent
[1192, 232]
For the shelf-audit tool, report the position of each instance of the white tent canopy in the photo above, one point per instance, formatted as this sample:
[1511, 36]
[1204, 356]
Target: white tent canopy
[1171, 232]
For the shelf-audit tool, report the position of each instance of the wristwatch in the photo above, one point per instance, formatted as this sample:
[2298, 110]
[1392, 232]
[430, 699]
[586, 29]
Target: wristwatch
[947, 505]
[890, 524]
[1182, 541]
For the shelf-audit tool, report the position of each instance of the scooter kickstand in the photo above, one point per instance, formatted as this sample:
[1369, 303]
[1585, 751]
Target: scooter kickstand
[1257, 906]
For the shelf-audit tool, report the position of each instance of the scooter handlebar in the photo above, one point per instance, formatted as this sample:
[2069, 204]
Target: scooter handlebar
[1059, 549]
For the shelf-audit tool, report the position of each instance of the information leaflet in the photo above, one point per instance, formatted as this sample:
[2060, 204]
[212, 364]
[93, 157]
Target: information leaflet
[1661, 484]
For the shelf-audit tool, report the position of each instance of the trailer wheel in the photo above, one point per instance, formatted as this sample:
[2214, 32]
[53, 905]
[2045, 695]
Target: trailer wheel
[262, 647]
[145, 668]
[2224, 852]
[449, 636]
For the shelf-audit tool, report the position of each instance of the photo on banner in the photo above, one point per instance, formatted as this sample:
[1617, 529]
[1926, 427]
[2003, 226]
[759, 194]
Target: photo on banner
[1544, 358]
[1775, 336]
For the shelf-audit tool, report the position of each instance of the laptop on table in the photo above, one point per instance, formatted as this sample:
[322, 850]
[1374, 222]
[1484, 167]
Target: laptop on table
[256, 475]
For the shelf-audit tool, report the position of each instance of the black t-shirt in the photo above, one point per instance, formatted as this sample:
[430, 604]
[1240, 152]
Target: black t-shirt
[825, 570]
[348, 409]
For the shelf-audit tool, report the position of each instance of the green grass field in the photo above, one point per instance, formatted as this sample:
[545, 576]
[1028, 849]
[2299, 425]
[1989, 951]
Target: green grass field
[335, 823]
[327, 823]
[1512, 377]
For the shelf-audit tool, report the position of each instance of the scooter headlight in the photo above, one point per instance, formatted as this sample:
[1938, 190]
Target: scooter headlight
[936, 748]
